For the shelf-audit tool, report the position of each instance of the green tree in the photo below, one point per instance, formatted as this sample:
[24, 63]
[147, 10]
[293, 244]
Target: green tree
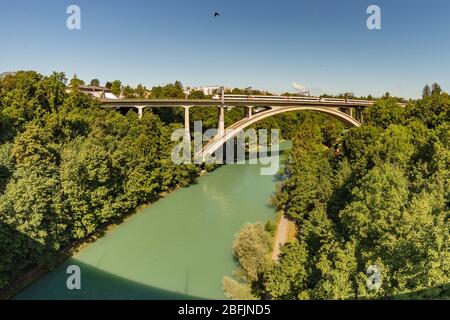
[75, 82]
[436, 89]
[432, 111]
[384, 113]
[237, 290]
[197, 94]
[385, 203]
[128, 92]
[251, 246]
[141, 91]
[7, 165]
[95, 82]
[168, 91]
[27, 95]
[288, 279]
[68, 167]
[116, 87]
[426, 91]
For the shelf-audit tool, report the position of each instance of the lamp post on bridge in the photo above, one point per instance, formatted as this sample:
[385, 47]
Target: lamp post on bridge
[221, 114]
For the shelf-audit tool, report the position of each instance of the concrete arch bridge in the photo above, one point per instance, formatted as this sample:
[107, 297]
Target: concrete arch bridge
[257, 108]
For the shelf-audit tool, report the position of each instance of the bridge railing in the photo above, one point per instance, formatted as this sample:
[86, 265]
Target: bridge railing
[236, 97]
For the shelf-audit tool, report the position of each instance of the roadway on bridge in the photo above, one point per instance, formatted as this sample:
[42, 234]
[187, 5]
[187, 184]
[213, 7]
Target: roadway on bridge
[121, 103]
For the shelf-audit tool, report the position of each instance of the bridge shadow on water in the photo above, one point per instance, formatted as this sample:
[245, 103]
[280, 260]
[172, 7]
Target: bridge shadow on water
[101, 285]
[96, 284]
[21, 254]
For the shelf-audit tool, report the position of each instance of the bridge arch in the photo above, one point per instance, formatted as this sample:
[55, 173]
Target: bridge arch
[230, 132]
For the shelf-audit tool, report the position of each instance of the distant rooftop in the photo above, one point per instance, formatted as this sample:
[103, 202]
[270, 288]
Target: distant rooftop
[93, 88]
[97, 92]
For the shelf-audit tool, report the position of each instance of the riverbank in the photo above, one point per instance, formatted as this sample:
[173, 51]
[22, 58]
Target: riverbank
[286, 232]
[35, 273]
[177, 248]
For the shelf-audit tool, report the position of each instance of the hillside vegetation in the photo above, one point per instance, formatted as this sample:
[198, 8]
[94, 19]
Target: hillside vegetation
[380, 197]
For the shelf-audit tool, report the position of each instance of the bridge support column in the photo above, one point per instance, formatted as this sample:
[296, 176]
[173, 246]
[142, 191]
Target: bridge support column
[361, 117]
[248, 112]
[221, 121]
[140, 111]
[187, 125]
[359, 114]
[348, 111]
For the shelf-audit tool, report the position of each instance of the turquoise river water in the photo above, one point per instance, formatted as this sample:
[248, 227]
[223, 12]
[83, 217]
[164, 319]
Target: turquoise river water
[180, 247]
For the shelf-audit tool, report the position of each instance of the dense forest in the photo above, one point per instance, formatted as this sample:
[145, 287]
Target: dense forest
[377, 195]
[68, 167]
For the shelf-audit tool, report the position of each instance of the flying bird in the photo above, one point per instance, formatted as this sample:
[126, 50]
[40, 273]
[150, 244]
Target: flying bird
[216, 14]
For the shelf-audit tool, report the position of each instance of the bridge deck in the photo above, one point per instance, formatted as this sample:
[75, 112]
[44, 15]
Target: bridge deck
[122, 103]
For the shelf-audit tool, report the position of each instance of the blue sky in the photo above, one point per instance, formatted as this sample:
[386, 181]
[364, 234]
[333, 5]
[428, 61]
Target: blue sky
[322, 44]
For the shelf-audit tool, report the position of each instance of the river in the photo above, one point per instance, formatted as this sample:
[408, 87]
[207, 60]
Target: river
[177, 248]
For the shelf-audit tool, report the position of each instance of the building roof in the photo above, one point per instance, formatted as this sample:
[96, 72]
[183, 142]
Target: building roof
[93, 88]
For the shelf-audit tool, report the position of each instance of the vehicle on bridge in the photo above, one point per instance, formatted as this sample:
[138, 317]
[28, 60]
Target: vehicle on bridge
[238, 97]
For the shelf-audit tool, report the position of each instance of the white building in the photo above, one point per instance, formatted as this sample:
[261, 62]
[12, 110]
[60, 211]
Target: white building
[97, 92]
[207, 90]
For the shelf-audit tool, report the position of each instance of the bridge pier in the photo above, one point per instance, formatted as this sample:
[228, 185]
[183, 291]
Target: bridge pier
[187, 125]
[347, 111]
[140, 111]
[248, 112]
[221, 121]
[359, 115]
